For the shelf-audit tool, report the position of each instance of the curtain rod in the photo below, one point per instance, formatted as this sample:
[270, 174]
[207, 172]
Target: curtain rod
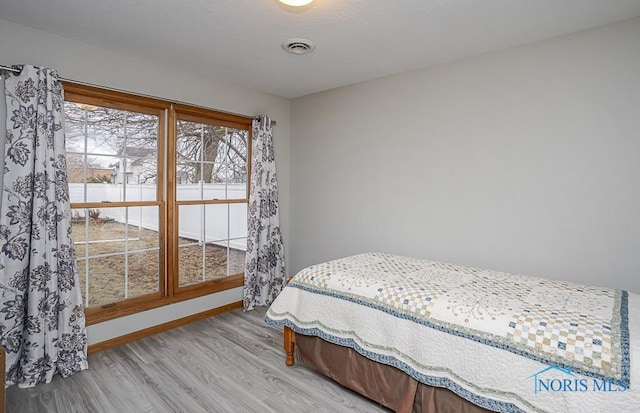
[11, 69]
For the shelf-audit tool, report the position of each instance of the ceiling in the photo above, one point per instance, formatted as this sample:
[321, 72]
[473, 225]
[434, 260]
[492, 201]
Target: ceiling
[239, 41]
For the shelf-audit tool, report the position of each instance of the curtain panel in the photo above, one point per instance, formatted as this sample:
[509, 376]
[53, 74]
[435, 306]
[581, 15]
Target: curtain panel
[265, 273]
[42, 326]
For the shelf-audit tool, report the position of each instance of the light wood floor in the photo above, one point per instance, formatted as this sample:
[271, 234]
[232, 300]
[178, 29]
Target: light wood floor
[233, 362]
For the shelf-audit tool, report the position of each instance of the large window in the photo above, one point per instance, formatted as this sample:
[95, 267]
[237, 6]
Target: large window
[158, 196]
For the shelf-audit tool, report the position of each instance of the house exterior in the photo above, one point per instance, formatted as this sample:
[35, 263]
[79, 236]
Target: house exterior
[135, 166]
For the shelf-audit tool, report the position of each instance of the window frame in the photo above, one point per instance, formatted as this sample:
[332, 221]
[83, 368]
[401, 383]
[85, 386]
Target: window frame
[169, 113]
[196, 114]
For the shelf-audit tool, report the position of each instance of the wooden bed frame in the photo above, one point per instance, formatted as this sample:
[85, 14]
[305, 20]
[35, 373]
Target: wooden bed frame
[289, 345]
[289, 340]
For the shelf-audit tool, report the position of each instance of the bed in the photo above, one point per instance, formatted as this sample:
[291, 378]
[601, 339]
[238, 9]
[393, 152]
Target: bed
[424, 336]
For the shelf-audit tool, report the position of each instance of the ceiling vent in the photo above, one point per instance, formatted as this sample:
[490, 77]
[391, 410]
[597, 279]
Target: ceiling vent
[299, 46]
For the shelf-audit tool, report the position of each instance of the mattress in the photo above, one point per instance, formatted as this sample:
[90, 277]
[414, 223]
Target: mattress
[504, 342]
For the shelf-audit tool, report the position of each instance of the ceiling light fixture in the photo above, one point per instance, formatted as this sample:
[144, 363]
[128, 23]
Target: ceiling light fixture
[295, 3]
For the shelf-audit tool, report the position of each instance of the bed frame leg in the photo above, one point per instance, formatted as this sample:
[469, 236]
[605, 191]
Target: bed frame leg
[289, 345]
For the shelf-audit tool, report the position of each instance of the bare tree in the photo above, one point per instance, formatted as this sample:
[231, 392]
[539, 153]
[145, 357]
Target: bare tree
[211, 153]
[205, 152]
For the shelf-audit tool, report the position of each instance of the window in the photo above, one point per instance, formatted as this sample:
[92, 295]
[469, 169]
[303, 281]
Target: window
[154, 226]
[211, 193]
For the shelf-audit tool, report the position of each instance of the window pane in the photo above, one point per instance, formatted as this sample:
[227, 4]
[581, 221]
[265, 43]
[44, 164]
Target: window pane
[214, 157]
[190, 244]
[237, 253]
[126, 238]
[89, 168]
[106, 276]
[187, 189]
[237, 221]
[216, 222]
[237, 237]
[188, 172]
[108, 131]
[216, 234]
[225, 258]
[216, 260]
[107, 192]
[112, 147]
[144, 273]
[205, 250]
[190, 262]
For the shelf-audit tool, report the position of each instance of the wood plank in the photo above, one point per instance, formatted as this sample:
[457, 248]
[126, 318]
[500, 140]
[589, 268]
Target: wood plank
[115, 342]
[233, 362]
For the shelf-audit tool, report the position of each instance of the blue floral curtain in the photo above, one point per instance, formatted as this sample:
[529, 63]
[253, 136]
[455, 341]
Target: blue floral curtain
[264, 275]
[42, 326]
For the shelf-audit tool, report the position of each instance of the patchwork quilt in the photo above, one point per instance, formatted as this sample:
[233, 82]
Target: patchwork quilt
[364, 301]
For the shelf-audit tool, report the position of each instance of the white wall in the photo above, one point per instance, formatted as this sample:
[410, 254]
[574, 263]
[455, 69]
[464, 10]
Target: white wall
[525, 160]
[86, 63]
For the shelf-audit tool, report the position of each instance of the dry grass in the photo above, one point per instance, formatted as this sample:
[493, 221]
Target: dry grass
[107, 272]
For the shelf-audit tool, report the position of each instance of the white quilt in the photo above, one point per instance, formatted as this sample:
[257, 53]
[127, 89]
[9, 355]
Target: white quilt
[505, 342]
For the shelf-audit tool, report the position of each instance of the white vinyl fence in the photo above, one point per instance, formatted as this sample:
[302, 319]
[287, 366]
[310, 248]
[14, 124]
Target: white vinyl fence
[217, 223]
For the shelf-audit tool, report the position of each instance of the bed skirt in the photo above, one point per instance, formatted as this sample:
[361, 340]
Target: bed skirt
[383, 384]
